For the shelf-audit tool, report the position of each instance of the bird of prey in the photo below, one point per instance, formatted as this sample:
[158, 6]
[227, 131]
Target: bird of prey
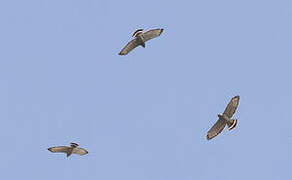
[73, 149]
[139, 39]
[224, 119]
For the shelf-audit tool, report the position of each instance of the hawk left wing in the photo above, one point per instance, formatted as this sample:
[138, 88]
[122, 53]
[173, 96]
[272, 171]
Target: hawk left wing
[79, 151]
[129, 47]
[231, 107]
[152, 34]
[216, 128]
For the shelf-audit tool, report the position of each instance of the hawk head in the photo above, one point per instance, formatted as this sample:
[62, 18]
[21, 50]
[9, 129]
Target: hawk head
[220, 115]
[223, 116]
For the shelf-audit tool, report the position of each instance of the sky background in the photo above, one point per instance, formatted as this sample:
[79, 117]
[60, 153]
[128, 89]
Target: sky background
[145, 116]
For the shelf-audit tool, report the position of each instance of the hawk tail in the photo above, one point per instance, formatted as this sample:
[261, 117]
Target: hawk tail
[231, 124]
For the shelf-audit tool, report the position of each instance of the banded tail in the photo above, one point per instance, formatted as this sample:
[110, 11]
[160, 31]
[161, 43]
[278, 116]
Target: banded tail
[231, 124]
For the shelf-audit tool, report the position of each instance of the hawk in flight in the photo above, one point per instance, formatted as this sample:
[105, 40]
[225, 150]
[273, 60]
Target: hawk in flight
[73, 149]
[224, 119]
[140, 38]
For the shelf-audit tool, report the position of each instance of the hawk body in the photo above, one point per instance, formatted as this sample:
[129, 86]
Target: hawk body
[224, 119]
[139, 39]
[73, 149]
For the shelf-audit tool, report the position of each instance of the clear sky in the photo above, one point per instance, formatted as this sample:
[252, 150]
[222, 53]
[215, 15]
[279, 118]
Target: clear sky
[145, 116]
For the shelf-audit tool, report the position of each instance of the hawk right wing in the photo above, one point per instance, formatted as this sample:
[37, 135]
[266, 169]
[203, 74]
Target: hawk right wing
[152, 34]
[216, 128]
[130, 46]
[231, 107]
[63, 149]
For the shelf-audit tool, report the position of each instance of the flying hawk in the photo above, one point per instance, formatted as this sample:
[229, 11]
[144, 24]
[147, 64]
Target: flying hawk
[224, 119]
[73, 149]
[140, 38]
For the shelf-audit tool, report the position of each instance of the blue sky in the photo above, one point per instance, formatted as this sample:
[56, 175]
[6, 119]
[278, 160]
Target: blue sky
[145, 115]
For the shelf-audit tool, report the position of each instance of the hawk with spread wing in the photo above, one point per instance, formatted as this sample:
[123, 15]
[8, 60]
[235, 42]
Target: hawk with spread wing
[73, 149]
[224, 119]
[139, 39]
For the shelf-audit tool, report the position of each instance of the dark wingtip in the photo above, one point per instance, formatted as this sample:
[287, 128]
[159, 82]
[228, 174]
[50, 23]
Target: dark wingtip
[161, 30]
[208, 138]
[50, 149]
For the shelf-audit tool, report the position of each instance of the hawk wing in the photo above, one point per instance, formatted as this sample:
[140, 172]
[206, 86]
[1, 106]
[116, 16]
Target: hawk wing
[231, 107]
[79, 151]
[63, 149]
[152, 34]
[130, 46]
[216, 128]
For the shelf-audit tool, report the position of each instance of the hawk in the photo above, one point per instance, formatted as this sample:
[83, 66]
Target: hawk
[139, 39]
[73, 149]
[224, 119]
